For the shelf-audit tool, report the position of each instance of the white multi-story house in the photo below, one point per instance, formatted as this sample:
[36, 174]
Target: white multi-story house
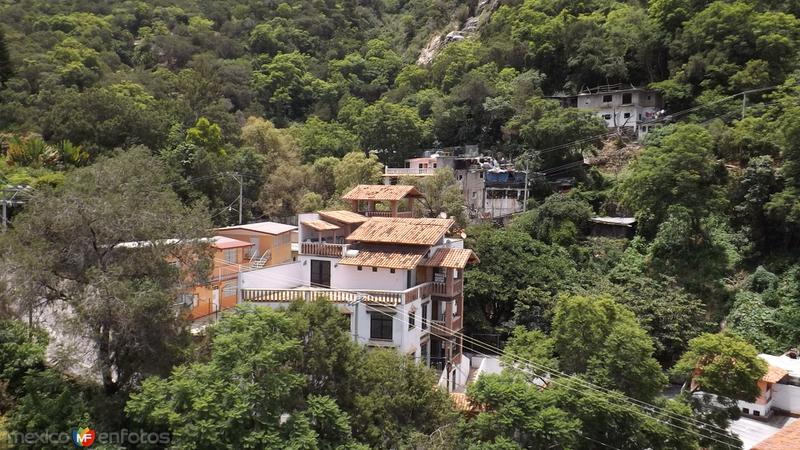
[629, 109]
[780, 387]
[399, 278]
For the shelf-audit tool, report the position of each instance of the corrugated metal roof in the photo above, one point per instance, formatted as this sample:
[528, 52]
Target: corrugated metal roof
[386, 256]
[625, 221]
[453, 258]
[343, 216]
[320, 225]
[381, 192]
[222, 243]
[262, 227]
[396, 230]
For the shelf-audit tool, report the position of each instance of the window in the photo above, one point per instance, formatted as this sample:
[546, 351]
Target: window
[607, 116]
[627, 98]
[627, 115]
[474, 194]
[391, 270]
[745, 410]
[229, 289]
[374, 269]
[380, 326]
[756, 412]
[230, 255]
[320, 273]
[412, 318]
[608, 98]
[424, 318]
[455, 308]
[359, 267]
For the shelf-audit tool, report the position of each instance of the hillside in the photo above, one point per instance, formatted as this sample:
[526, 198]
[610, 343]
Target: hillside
[129, 128]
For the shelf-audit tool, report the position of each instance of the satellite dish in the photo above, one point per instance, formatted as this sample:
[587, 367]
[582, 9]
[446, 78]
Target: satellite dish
[443, 215]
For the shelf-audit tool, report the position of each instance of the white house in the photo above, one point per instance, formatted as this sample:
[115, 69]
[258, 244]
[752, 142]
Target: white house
[398, 278]
[780, 387]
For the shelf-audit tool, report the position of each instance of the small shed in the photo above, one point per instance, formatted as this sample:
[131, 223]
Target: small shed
[614, 227]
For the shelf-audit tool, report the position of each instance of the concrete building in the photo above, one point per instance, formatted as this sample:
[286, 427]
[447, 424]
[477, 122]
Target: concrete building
[629, 109]
[492, 190]
[780, 387]
[400, 279]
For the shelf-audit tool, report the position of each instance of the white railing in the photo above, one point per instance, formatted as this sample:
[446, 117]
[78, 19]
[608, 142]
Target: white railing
[409, 171]
[337, 295]
[386, 214]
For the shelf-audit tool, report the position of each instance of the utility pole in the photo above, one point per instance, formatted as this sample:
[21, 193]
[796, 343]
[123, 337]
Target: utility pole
[354, 304]
[525, 195]
[13, 201]
[744, 103]
[238, 177]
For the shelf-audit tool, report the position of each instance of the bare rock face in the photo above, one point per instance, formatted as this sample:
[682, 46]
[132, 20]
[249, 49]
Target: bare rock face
[483, 12]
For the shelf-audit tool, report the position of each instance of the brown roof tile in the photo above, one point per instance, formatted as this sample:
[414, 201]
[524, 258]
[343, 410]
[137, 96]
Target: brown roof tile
[319, 225]
[343, 216]
[774, 374]
[396, 230]
[381, 192]
[386, 256]
[787, 438]
[453, 258]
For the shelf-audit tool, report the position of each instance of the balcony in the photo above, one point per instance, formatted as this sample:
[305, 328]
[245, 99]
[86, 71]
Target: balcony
[323, 249]
[386, 214]
[337, 295]
[442, 289]
[409, 171]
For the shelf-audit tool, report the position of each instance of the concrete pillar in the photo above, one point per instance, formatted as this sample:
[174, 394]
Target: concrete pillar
[393, 205]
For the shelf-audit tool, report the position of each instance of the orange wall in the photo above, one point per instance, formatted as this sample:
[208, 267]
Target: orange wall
[280, 253]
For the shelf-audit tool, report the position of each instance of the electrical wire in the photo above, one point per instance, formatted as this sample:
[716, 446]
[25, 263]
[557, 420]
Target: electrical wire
[556, 376]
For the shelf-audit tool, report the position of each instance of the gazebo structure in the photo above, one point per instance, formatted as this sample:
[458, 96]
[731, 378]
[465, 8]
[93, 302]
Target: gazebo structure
[365, 197]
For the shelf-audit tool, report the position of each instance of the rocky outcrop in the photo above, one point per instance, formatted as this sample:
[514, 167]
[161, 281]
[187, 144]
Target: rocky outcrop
[483, 12]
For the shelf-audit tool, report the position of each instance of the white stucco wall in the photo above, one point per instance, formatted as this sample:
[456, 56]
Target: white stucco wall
[763, 410]
[349, 277]
[786, 397]
[283, 276]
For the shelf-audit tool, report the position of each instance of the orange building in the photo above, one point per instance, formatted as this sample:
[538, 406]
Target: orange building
[271, 242]
[221, 289]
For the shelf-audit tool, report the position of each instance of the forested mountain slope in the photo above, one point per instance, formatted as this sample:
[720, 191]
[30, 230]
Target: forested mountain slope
[109, 104]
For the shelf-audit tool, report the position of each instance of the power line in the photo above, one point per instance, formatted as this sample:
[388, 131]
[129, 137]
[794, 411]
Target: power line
[554, 377]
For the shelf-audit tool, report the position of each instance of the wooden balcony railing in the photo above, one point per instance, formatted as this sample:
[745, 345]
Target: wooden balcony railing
[322, 249]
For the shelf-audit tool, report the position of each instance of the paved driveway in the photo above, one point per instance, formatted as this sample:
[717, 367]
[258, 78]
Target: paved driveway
[752, 431]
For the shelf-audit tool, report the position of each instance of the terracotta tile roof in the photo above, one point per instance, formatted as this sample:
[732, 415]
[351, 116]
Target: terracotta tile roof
[223, 243]
[320, 225]
[462, 403]
[343, 216]
[386, 256]
[774, 374]
[453, 258]
[787, 438]
[381, 192]
[396, 230]
[262, 227]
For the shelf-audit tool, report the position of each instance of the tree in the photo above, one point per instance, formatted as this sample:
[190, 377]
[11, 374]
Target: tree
[680, 170]
[518, 414]
[722, 364]
[248, 395]
[65, 251]
[356, 168]
[442, 195]
[560, 219]
[398, 398]
[318, 139]
[21, 349]
[285, 88]
[393, 131]
[602, 339]
[6, 70]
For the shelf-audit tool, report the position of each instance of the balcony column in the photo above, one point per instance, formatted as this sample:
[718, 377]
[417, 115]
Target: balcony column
[393, 205]
[355, 205]
[449, 281]
[371, 205]
[410, 204]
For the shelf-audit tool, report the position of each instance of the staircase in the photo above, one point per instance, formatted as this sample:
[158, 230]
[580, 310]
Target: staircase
[262, 261]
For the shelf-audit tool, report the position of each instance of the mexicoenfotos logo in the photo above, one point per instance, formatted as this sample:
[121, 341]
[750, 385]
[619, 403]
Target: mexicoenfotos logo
[83, 437]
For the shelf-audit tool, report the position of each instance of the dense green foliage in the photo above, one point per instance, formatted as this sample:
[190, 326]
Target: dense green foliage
[144, 120]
